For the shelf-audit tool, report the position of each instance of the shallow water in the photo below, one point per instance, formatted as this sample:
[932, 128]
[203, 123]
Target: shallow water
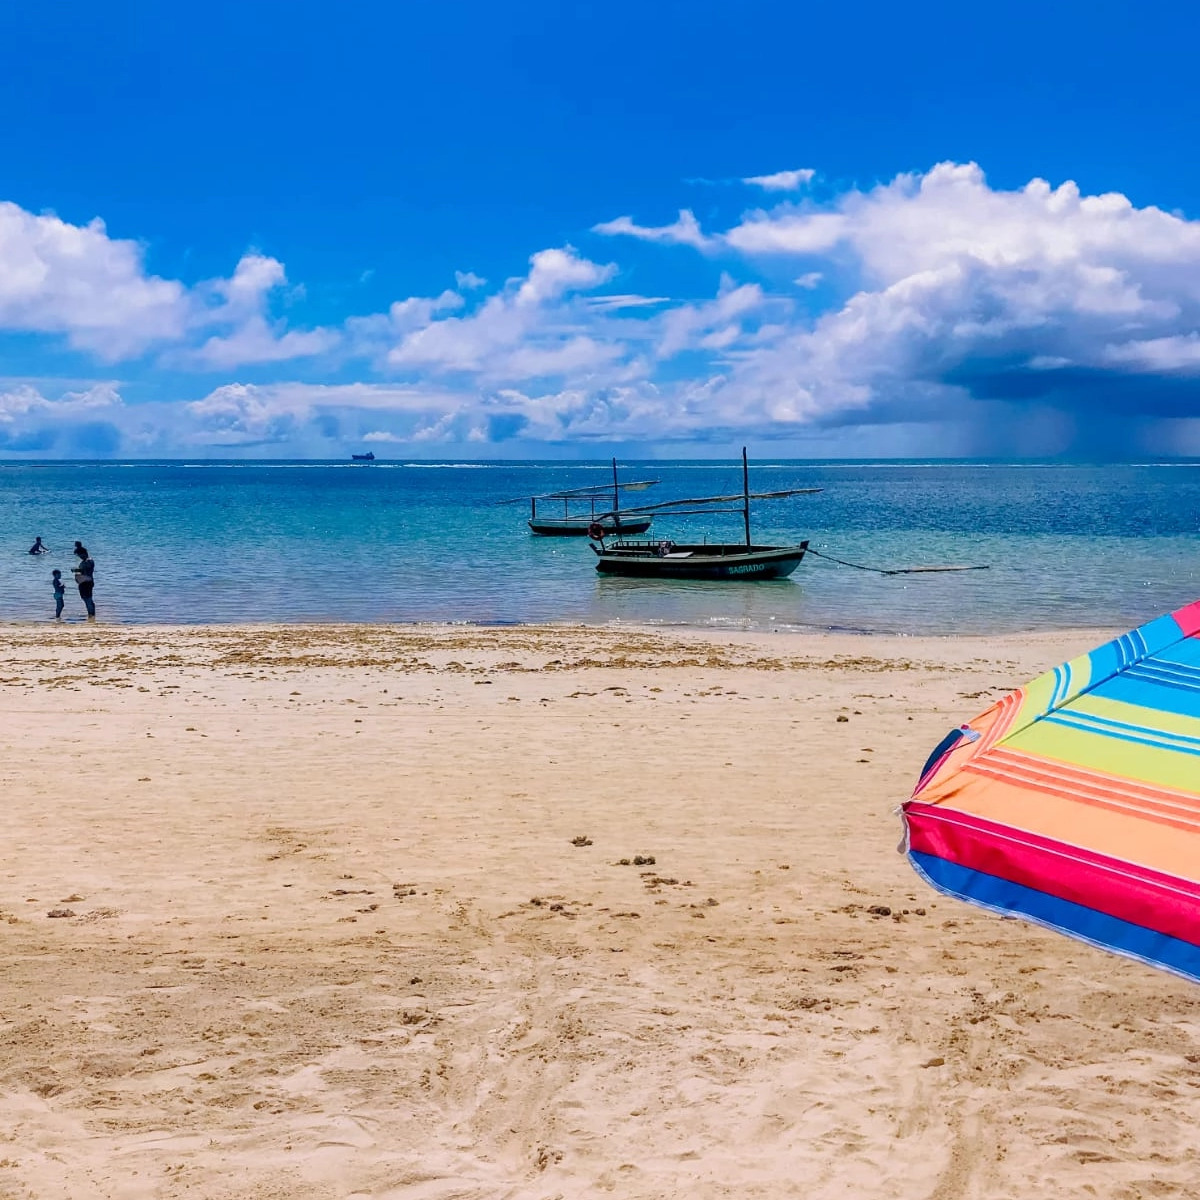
[1065, 546]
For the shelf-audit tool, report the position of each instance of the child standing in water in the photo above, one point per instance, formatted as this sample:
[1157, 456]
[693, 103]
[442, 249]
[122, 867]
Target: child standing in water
[60, 593]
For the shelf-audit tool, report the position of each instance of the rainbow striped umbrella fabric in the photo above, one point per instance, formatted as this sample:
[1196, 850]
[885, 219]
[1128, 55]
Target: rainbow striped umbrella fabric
[1075, 801]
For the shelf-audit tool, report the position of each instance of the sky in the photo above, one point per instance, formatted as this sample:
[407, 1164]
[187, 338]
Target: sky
[525, 230]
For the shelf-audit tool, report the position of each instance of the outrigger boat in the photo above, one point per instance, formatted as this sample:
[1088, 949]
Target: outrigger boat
[675, 560]
[603, 503]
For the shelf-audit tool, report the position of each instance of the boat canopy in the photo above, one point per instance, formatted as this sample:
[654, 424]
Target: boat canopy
[599, 489]
[703, 504]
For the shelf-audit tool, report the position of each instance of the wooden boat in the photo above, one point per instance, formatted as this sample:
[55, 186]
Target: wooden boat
[673, 560]
[583, 508]
[368, 457]
[578, 526]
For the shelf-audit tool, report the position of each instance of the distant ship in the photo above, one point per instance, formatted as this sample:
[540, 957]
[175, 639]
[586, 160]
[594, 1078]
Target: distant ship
[368, 457]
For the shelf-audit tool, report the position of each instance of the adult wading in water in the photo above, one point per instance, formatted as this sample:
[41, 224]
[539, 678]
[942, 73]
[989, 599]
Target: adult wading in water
[84, 576]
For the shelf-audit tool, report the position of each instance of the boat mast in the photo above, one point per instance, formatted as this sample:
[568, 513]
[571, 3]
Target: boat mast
[746, 495]
[616, 490]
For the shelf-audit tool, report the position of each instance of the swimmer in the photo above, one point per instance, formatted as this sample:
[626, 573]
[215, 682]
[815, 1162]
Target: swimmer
[39, 547]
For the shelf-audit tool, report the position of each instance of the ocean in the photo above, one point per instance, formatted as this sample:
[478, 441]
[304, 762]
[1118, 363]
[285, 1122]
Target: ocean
[176, 542]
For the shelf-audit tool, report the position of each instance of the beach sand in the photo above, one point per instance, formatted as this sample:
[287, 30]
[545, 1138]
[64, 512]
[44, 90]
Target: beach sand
[359, 912]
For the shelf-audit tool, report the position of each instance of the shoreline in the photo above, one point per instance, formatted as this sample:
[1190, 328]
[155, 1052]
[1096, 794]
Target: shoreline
[532, 911]
[1099, 632]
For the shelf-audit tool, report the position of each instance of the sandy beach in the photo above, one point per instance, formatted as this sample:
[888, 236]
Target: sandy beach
[458, 913]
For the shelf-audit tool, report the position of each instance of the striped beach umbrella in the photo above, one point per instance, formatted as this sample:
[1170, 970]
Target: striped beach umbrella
[1074, 802]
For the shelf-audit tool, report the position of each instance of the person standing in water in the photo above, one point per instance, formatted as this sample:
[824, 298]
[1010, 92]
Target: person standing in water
[39, 547]
[85, 577]
[60, 593]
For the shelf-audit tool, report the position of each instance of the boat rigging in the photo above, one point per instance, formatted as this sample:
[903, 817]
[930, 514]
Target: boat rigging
[671, 560]
[583, 507]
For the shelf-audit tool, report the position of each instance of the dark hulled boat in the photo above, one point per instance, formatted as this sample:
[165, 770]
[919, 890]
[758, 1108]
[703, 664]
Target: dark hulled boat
[672, 560]
[585, 507]
[368, 457]
[719, 561]
[579, 526]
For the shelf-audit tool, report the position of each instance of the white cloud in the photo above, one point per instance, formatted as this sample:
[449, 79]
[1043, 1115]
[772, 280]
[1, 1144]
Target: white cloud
[966, 292]
[467, 281]
[317, 417]
[685, 231]
[1178, 353]
[531, 328]
[613, 303]
[23, 400]
[555, 272]
[1035, 311]
[257, 341]
[782, 181]
[788, 232]
[75, 280]
[714, 324]
[77, 423]
[255, 276]
[238, 412]
[252, 336]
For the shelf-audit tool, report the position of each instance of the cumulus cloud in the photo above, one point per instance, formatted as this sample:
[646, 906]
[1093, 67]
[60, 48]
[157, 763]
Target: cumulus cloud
[75, 422]
[466, 281]
[258, 341]
[241, 413]
[24, 399]
[529, 329]
[712, 325]
[969, 292]
[782, 181]
[239, 307]
[75, 280]
[78, 282]
[255, 276]
[554, 272]
[1036, 317]
[950, 293]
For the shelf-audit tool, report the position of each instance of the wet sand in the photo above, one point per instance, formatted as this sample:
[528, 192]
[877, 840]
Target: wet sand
[534, 913]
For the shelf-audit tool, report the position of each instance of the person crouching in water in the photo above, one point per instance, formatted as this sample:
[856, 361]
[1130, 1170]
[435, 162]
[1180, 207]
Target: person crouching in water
[85, 577]
[60, 593]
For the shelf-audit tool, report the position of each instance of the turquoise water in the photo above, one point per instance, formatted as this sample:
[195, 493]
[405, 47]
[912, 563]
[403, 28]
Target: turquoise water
[1066, 546]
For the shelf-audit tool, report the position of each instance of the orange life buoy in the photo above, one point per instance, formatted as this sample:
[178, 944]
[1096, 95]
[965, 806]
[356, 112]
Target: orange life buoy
[596, 531]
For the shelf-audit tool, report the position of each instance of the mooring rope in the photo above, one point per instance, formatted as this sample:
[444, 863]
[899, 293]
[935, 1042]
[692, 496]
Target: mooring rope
[894, 570]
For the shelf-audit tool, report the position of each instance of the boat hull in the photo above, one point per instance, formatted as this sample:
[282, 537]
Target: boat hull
[578, 526]
[699, 562]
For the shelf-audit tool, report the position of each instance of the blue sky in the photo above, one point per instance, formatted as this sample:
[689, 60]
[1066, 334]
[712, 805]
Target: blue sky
[438, 229]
